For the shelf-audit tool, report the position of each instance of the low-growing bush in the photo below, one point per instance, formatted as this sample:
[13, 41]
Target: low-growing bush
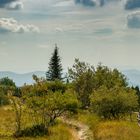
[113, 103]
[36, 130]
[56, 85]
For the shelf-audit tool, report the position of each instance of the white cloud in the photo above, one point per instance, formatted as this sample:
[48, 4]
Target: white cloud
[15, 5]
[11, 25]
[58, 29]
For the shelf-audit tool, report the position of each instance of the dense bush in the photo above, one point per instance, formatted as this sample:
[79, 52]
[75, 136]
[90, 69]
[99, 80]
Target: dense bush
[86, 79]
[84, 86]
[82, 76]
[112, 103]
[53, 105]
[37, 130]
[3, 99]
[56, 85]
[7, 82]
[110, 78]
[43, 104]
[137, 93]
[7, 86]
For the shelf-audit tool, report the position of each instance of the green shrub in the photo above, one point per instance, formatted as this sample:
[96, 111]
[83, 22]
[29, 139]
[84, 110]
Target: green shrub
[36, 130]
[82, 76]
[112, 103]
[56, 85]
[3, 100]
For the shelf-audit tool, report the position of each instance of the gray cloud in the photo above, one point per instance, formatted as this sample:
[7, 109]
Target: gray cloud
[102, 2]
[11, 4]
[94, 2]
[10, 25]
[103, 31]
[86, 2]
[133, 20]
[132, 4]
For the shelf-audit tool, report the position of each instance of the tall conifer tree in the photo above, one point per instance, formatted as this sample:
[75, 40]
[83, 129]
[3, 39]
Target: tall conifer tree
[55, 67]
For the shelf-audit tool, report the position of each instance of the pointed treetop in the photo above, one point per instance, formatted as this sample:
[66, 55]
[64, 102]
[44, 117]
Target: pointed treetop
[55, 67]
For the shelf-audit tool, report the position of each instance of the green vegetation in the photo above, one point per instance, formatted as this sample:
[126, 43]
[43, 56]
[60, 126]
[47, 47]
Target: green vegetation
[92, 120]
[82, 76]
[60, 132]
[55, 67]
[114, 103]
[42, 106]
[6, 85]
[122, 129]
[7, 127]
[97, 99]
[117, 130]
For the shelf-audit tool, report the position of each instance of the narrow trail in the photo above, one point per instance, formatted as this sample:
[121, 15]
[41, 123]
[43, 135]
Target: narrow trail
[81, 130]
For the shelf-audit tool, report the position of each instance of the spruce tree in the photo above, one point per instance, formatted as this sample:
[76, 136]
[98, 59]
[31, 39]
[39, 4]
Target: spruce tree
[55, 67]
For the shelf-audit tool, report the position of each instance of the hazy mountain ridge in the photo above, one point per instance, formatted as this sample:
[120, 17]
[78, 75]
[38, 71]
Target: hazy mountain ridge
[20, 79]
[132, 75]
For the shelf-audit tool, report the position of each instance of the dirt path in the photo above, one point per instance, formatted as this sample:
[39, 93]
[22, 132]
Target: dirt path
[81, 131]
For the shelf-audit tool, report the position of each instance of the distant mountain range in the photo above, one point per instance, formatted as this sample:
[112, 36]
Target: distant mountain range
[133, 76]
[20, 79]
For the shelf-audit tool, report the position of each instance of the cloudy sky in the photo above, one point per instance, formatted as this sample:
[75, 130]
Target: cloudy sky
[106, 31]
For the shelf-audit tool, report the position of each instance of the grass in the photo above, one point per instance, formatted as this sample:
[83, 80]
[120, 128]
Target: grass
[102, 129]
[110, 130]
[117, 130]
[88, 119]
[6, 122]
[57, 132]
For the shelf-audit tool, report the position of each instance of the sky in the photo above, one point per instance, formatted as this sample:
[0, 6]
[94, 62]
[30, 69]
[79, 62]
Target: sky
[106, 31]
